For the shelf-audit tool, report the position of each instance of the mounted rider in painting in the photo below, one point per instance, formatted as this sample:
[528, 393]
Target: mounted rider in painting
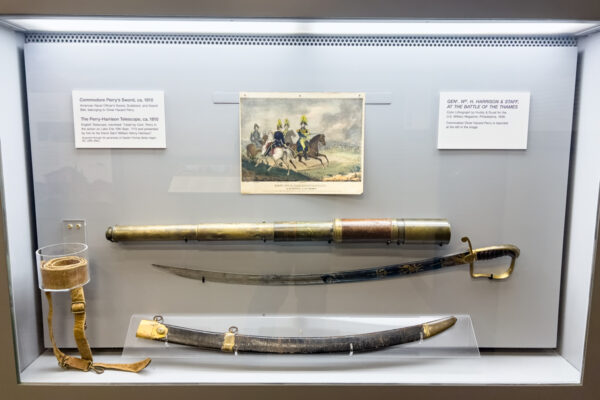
[304, 135]
[278, 139]
[255, 138]
[290, 136]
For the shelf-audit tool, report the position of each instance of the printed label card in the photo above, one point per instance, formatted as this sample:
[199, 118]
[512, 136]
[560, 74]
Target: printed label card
[119, 119]
[483, 120]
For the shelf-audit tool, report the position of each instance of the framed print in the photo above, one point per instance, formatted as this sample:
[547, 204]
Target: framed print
[302, 143]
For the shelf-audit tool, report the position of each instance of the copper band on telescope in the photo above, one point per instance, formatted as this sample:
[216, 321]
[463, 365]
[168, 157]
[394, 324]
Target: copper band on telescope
[357, 230]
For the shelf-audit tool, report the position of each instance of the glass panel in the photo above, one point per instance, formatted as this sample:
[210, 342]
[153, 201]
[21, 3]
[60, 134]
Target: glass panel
[457, 341]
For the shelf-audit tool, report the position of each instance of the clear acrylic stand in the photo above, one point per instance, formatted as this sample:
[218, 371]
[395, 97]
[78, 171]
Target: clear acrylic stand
[457, 342]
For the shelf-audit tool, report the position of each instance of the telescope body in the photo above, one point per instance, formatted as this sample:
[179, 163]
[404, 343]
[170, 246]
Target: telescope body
[401, 231]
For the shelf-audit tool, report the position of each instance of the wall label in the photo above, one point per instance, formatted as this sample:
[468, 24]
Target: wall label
[119, 119]
[483, 120]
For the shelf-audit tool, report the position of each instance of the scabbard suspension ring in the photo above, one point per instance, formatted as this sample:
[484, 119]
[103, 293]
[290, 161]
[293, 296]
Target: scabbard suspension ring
[229, 339]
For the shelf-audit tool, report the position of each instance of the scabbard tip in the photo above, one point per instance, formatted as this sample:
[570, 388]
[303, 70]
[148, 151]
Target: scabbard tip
[434, 327]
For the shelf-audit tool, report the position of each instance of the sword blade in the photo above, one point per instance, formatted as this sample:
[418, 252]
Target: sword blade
[241, 279]
[357, 275]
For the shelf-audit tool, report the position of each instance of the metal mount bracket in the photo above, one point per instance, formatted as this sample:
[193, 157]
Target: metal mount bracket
[74, 231]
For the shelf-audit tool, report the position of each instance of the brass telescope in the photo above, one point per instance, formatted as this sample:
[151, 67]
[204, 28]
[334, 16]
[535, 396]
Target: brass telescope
[401, 231]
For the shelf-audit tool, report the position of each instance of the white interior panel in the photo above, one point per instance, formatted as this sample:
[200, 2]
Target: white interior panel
[17, 200]
[584, 204]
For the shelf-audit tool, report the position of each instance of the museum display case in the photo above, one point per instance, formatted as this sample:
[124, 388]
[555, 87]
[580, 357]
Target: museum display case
[292, 201]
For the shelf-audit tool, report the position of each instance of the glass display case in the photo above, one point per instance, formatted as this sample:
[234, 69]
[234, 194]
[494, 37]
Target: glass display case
[404, 198]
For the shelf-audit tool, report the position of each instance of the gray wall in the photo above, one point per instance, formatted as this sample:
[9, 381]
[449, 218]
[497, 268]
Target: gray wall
[17, 198]
[493, 196]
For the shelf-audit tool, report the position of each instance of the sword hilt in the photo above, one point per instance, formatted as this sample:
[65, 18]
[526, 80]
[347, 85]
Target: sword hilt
[489, 253]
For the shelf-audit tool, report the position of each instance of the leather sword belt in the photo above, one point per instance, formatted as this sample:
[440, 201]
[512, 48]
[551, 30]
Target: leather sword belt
[70, 272]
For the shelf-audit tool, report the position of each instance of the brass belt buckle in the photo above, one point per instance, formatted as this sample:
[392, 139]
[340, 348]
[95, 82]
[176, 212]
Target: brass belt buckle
[78, 307]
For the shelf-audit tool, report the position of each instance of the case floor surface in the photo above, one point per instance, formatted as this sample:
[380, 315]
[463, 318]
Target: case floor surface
[497, 369]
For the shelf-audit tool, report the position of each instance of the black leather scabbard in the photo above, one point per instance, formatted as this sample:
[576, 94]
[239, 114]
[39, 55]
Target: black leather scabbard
[233, 341]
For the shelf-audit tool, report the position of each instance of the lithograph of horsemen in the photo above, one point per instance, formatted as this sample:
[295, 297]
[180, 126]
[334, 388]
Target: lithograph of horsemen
[302, 143]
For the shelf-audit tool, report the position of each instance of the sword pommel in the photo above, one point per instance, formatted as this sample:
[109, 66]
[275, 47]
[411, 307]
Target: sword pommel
[151, 330]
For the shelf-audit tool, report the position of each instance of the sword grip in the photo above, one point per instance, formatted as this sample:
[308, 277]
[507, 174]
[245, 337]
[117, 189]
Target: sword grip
[505, 251]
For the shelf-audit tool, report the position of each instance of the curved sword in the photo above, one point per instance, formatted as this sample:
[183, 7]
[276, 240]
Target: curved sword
[232, 341]
[357, 275]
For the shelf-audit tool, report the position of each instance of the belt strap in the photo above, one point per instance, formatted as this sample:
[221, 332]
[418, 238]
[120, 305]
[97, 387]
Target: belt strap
[85, 363]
